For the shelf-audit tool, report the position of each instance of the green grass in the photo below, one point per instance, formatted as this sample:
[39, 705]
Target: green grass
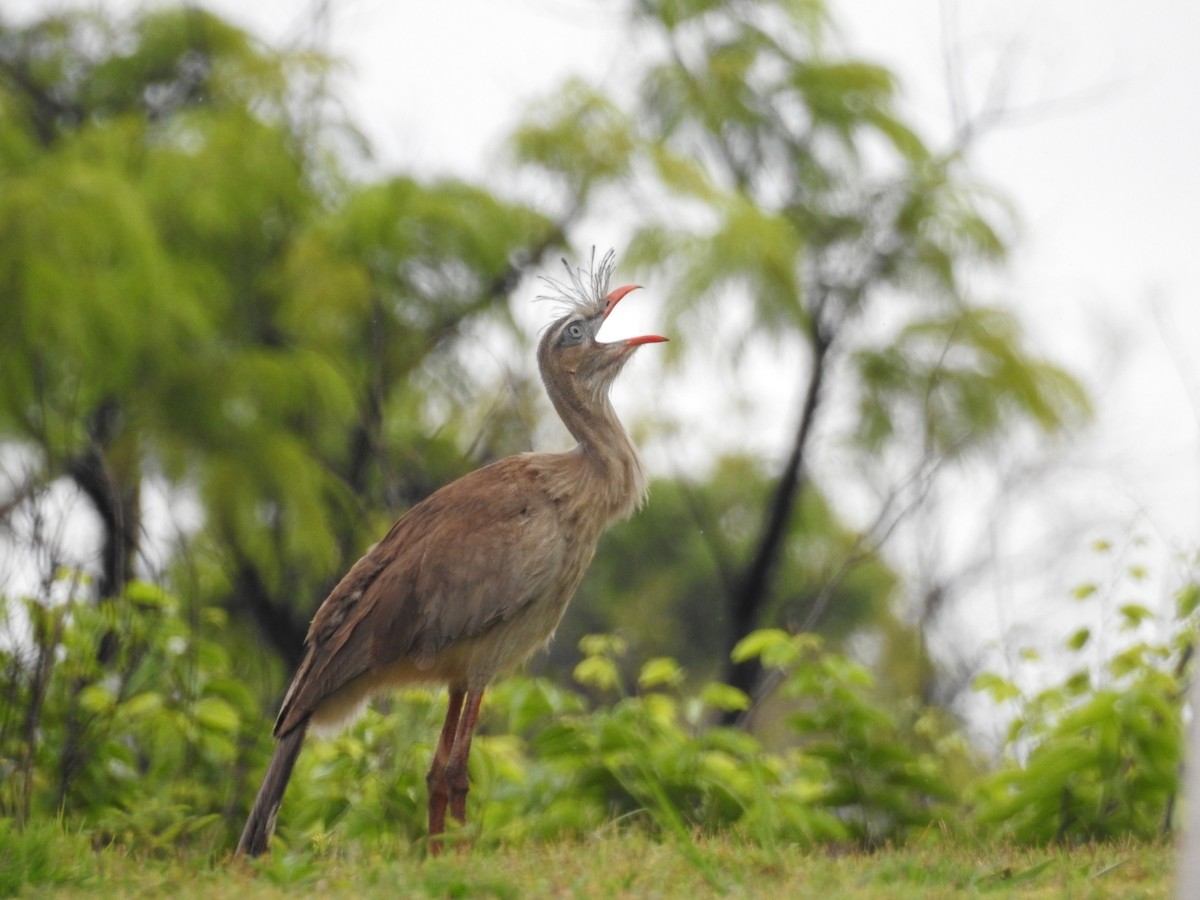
[618, 863]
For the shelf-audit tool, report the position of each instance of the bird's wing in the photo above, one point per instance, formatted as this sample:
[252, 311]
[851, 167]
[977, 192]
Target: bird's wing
[466, 558]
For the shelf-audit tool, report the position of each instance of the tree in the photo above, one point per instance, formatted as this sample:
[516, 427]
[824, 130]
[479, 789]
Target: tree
[789, 178]
[196, 296]
[659, 578]
[200, 299]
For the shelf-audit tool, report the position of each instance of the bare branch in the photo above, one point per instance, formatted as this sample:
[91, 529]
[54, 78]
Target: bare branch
[33, 484]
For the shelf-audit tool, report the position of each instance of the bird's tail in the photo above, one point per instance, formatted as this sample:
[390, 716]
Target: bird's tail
[261, 822]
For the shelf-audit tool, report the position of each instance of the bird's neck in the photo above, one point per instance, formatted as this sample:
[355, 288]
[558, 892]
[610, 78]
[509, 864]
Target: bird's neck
[606, 456]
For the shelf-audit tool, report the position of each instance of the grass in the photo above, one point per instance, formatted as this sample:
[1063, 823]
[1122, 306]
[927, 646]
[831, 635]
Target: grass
[617, 863]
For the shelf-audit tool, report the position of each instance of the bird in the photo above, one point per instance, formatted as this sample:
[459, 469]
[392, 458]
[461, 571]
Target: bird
[475, 578]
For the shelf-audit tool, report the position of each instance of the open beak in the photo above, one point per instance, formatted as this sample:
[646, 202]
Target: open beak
[610, 303]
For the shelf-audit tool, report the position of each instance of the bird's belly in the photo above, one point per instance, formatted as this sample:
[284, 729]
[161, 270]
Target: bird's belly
[474, 661]
[471, 662]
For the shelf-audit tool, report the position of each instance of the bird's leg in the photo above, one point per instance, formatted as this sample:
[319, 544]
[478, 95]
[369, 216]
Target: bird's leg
[439, 791]
[456, 766]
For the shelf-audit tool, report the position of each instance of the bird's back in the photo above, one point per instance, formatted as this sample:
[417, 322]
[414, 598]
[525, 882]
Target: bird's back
[469, 582]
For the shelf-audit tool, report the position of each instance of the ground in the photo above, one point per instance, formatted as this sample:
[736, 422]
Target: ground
[617, 863]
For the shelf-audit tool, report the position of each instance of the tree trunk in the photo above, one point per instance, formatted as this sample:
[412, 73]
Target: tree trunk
[753, 588]
[278, 622]
[115, 493]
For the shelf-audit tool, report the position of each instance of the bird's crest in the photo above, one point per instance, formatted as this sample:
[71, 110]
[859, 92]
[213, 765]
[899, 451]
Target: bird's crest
[584, 291]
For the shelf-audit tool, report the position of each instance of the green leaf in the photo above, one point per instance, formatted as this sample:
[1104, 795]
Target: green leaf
[724, 697]
[1130, 661]
[603, 645]
[143, 704]
[96, 698]
[599, 672]
[1134, 614]
[1083, 591]
[1187, 599]
[1079, 639]
[660, 672]
[1078, 682]
[152, 596]
[216, 714]
[684, 175]
[759, 642]
[999, 688]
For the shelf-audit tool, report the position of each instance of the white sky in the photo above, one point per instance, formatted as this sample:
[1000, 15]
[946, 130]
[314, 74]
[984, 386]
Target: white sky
[1103, 168]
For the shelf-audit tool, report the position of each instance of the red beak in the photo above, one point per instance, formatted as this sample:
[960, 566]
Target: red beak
[610, 303]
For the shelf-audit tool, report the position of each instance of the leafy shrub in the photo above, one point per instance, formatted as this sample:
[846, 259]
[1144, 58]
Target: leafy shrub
[1103, 747]
[365, 782]
[651, 754]
[550, 762]
[123, 717]
[877, 779]
[124, 722]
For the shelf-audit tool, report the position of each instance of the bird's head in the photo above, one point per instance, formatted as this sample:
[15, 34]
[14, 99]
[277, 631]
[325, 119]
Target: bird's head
[569, 351]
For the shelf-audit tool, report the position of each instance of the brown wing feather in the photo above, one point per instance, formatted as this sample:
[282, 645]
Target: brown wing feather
[468, 557]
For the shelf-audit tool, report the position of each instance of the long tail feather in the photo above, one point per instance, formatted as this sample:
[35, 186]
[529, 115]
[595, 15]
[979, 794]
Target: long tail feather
[261, 822]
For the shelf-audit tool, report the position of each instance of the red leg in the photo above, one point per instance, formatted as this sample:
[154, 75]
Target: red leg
[456, 766]
[439, 790]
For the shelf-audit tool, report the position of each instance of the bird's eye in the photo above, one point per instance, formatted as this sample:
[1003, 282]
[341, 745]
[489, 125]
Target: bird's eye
[574, 331]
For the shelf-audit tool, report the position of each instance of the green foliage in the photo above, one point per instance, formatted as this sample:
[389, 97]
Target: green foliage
[1097, 756]
[195, 294]
[961, 380]
[547, 763]
[807, 169]
[878, 778]
[798, 211]
[650, 753]
[124, 719]
[676, 560]
[580, 138]
[125, 722]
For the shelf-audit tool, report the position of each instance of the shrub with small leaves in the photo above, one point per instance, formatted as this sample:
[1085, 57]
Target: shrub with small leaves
[549, 762]
[875, 777]
[652, 753]
[1101, 749]
[123, 717]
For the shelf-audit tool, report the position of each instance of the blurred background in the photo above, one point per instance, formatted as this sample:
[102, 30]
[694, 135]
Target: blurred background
[267, 276]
